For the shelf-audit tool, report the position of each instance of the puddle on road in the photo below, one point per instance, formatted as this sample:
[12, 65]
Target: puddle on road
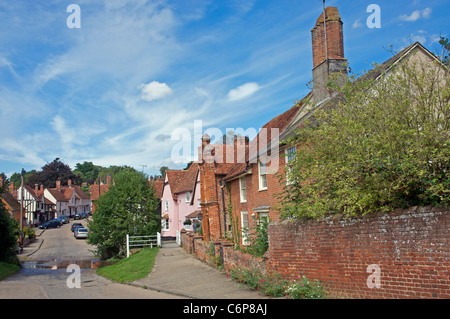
[63, 264]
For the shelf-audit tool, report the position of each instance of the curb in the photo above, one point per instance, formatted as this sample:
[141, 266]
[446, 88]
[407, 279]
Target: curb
[42, 241]
[168, 291]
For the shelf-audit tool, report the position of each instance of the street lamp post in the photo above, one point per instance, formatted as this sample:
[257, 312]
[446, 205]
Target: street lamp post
[21, 208]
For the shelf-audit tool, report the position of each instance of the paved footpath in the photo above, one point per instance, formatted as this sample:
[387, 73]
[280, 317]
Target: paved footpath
[178, 272]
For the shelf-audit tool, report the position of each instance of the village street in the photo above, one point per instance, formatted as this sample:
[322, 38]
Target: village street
[45, 275]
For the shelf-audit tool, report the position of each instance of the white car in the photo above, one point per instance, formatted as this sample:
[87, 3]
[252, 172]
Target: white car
[81, 232]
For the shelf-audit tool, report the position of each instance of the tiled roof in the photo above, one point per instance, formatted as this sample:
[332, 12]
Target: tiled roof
[182, 180]
[158, 184]
[10, 200]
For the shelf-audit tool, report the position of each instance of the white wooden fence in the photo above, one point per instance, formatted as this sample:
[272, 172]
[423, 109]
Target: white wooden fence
[143, 241]
[178, 239]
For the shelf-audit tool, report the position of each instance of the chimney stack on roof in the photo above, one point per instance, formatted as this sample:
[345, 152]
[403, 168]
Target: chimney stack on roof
[328, 52]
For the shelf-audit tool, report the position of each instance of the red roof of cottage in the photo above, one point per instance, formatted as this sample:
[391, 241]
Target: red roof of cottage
[182, 180]
[158, 184]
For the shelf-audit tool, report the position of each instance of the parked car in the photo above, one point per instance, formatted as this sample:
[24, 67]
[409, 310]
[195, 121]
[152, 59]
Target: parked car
[50, 224]
[77, 216]
[84, 215]
[76, 225]
[81, 232]
[64, 219]
[58, 221]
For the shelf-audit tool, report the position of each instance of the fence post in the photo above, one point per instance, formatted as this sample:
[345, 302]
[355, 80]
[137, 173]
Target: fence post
[128, 245]
[158, 239]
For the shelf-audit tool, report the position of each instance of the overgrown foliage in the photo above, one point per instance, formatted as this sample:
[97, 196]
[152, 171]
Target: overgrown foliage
[272, 284]
[380, 144]
[9, 230]
[129, 207]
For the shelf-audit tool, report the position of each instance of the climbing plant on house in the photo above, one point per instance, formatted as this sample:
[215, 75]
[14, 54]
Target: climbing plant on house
[381, 143]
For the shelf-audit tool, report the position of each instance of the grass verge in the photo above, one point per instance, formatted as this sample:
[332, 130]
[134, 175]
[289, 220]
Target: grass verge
[7, 270]
[132, 268]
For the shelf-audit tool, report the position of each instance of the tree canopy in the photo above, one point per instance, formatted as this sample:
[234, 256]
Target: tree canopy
[381, 145]
[129, 207]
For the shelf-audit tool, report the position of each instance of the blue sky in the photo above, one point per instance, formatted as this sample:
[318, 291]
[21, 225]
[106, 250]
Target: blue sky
[113, 91]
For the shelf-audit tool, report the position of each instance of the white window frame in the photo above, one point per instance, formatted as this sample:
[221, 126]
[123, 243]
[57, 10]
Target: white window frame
[245, 232]
[289, 155]
[165, 224]
[166, 205]
[243, 189]
[262, 176]
[187, 197]
[199, 203]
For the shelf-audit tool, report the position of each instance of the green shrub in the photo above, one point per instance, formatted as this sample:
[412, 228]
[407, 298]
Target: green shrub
[379, 145]
[274, 285]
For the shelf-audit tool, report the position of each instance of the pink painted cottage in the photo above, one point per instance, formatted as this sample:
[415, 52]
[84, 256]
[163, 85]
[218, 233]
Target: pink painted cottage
[180, 201]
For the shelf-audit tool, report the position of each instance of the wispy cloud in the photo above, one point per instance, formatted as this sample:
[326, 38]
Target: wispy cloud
[357, 24]
[243, 91]
[416, 15]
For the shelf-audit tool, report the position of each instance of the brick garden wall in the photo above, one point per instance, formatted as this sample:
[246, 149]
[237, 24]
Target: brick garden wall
[411, 248]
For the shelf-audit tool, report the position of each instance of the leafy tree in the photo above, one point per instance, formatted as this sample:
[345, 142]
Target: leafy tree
[51, 172]
[445, 43]
[16, 177]
[381, 144]
[129, 207]
[87, 172]
[9, 230]
[111, 171]
[163, 170]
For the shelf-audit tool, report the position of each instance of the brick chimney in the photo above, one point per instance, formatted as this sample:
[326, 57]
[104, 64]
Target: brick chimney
[69, 182]
[58, 184]
[108, 180]
[36, 188]
[328, 55]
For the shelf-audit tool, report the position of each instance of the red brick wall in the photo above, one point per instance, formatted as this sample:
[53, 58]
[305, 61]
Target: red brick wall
[411, 247]
[255, 197]
[335, 38]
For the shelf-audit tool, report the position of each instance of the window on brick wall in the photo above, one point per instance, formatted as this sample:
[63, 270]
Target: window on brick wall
[244, 228]
[262, 174]
[289, 156]
[243, 189]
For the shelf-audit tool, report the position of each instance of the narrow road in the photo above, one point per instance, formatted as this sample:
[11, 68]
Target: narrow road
[45, 275]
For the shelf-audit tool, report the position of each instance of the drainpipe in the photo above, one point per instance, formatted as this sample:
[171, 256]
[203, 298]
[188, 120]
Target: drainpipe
[222, 182]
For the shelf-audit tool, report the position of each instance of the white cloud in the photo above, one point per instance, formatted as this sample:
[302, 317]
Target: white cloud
[154, 91]
[357, 24]
[416, 15]
[426, 13]
[243, 91]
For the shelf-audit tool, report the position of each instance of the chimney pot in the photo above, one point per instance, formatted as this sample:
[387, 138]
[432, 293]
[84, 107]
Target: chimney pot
[328, 58]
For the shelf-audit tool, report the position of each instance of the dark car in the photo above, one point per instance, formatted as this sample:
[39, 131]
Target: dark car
[77, 216]
[50, 224]
[75, 225]
[58, 221]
